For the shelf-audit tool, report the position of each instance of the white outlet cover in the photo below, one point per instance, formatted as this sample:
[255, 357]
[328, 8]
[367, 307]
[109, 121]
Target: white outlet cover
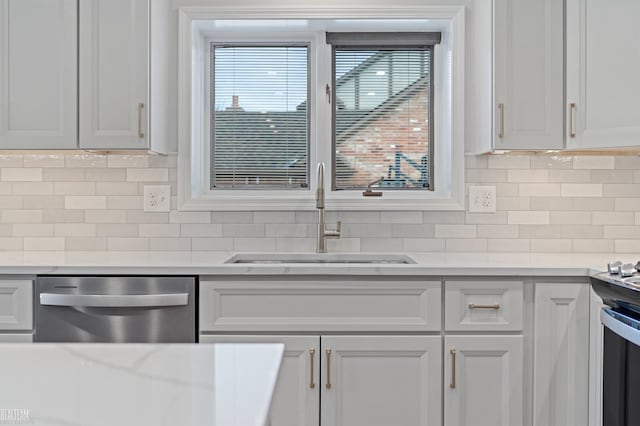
[157, 198]
[482, 199]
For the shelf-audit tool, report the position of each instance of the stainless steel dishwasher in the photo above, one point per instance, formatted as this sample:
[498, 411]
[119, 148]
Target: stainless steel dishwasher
[115, 309]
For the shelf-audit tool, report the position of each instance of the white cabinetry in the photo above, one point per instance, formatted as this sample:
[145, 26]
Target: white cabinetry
[528, 74]
[381, 380]
[16, 313]
[114, 73]
[296, 400]
[561, 354]
[603, 64]
[483, 381]
[38, 74]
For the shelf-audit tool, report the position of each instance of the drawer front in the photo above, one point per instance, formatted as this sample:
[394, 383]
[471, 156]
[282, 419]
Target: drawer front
[483, 305]
[269, 304]
[16, 305]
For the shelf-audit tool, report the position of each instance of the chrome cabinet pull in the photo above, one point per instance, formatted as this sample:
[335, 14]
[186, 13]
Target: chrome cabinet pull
[572, 120]
[328, 385]
[140, 132]
[327, 90]
[452, 385]
[474, 306]
[501, 131]
[312, 384]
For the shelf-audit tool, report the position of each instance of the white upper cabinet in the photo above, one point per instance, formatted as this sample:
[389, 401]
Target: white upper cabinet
[38, 77]
[528, 74]
[603, 65]
[114, 74]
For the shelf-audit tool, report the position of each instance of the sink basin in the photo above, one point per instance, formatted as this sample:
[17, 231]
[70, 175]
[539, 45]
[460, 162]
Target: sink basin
[334, 258]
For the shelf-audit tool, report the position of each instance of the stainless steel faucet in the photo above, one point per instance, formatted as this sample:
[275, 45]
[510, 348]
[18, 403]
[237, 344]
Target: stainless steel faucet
[323, 231]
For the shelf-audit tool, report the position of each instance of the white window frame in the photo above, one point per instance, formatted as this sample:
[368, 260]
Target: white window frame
[194, 37]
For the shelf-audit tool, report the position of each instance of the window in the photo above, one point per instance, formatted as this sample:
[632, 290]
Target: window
[265, 97]
[382, 114]
[259, 135]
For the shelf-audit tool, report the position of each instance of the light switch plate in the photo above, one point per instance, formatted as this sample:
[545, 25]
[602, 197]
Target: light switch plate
[482, 199]
[157, 198]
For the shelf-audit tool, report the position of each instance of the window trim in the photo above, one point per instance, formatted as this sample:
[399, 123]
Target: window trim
[193, 112]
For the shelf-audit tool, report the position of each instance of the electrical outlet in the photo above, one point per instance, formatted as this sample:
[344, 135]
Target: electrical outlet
[482, 199]
[157, 198]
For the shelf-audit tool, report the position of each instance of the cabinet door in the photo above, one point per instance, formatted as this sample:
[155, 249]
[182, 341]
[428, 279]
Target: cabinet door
[16, 304]
[561, 354]
[296, 398]
[483, 381]
[38, 77]
[114, 73]
[603, 64]
[529, 69]
[381, 381]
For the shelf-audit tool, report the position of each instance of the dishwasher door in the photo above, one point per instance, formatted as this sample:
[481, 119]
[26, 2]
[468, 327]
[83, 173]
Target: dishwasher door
[115, 309]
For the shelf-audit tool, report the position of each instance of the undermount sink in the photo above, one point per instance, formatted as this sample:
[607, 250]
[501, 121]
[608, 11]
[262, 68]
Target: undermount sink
[352, 258]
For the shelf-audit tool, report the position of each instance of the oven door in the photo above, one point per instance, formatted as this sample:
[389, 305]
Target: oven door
[621, 369]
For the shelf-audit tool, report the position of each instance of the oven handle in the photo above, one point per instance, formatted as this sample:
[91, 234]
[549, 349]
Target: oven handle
[624, 326]
[114, 301]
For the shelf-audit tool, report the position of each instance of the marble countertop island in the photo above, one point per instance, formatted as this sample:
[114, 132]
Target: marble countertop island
[138, 384]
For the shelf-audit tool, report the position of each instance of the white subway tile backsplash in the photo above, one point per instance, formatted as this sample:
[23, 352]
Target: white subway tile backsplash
[44, 244]
[43, 160]
[551, 245]
[14, 174]
[106, 216]
[581, 190]
[20, 216]
[212, 244]
[189, 217]
[455, 231]
[201, 230]
[74, 188]
[127, 244]
[539, 189]
[528, 218]
[33, 230]
[75, 230]
[508, 245]
[85, 244]
[527, 175]
[545, 204]
[159, 230]
[85, 202]
[613, 218]
[570, 218]
[148, 175]
[593, 162]
[509, 162]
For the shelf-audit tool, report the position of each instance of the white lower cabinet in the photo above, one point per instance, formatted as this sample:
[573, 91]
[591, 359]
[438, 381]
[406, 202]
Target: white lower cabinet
[296, 399]
[381, 381]
[561, 355]
[483, 381]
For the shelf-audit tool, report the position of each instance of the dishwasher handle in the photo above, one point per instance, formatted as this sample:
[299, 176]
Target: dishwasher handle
[114, 301]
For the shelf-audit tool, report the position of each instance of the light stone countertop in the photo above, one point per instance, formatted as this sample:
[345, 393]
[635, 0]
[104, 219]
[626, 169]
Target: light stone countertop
[212, 263]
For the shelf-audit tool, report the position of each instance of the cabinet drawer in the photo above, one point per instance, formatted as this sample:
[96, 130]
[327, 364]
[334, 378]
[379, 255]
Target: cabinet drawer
[276, 304]
[16, 305]
[483, 305]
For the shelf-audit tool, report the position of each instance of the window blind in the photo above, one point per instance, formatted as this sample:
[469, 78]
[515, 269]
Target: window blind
[259, 117]
[383, 126]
